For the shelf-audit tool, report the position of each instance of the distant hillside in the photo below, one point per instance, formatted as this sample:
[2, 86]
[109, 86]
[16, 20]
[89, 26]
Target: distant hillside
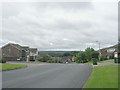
[56, 52]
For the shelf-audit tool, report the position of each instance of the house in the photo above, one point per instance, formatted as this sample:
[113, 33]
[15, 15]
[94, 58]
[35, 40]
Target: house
[109, 51]
[56, 58]
[33, 54]
[13, 52]
[64, 59]
[67, 59]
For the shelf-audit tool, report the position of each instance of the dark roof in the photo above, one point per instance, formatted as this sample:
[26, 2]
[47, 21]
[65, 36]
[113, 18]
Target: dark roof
[25, 48]
[33, 50]
[17, 46]
[66, 58]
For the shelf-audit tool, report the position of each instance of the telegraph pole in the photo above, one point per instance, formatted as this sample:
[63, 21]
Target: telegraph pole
[99, 50]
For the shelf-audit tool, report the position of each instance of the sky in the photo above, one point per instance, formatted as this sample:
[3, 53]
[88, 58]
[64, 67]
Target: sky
[60, 25]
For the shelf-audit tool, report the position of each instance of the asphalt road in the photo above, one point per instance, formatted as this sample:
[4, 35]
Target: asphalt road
[47, 76]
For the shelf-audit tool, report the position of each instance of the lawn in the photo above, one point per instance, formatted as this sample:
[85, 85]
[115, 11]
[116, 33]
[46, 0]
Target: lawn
[11, 66]
[110, 60]
[91, 62]
[103, 77]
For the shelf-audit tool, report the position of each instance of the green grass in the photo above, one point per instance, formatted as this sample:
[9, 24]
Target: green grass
[103, 77]
[11, 66]
[91, 62]
[110, 60]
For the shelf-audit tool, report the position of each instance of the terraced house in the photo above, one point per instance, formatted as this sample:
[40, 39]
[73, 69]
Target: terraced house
[16, 52]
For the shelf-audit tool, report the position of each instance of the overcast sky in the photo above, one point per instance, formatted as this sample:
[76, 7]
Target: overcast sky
[60, 25]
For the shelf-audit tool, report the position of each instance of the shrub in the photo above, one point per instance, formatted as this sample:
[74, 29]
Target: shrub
[119, 59]
[2, 60]
[116, 60]
[49, 61]
[55, 61]
[103, 58]
[94, 61]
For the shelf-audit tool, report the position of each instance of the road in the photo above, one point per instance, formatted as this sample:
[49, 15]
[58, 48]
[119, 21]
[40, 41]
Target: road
[47, 76]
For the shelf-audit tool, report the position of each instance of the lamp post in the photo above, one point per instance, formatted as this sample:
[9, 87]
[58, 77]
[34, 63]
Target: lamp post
[99, 50]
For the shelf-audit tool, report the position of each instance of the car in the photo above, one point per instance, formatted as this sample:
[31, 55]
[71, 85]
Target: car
[66, 62]
[18, 59]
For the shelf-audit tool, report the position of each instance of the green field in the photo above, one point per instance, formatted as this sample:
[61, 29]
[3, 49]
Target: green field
[11, 66]
[103, 77]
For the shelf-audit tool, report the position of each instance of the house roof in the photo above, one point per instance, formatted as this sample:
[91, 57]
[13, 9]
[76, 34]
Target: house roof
[66, 58]
[33, 50]
[14, 45]
[25, 48]
[19, 47]
[115, 47]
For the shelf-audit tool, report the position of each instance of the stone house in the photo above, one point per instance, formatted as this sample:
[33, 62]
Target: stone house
[64, 59]
[16, 52]
[33, 54]
[109, 51]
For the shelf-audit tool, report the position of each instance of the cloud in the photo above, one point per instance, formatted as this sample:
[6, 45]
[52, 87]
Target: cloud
[60, 26]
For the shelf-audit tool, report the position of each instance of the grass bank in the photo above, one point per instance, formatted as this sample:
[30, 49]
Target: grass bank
[4, 67]
[103, 77]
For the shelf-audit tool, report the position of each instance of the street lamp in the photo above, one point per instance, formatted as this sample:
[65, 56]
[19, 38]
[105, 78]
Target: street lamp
[99, 50]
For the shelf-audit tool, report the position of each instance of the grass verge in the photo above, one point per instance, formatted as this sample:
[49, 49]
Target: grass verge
[5, 67]
[110, 60]
[91, 62]
[103, 77]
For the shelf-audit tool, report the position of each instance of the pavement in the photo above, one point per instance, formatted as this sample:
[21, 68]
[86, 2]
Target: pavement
[47, 76]
[105, 64]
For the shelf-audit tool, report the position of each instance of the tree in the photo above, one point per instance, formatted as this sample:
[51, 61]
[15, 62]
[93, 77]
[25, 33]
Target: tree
[81, 57]
[2, 60]
[45, 58]
[67, 54]
[89, 52]
[95, 54]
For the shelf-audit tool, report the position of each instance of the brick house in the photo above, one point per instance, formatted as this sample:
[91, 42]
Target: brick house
[14, 52]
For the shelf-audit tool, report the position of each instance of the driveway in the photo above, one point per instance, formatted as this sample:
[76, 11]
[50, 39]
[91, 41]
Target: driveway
[47, 76]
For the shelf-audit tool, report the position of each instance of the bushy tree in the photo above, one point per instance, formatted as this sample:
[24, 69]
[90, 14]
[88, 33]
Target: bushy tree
[95, 54]
[67, 54]
[87, 55]
[2, 60]
[81, 57]
[45, 58]
[89, 51]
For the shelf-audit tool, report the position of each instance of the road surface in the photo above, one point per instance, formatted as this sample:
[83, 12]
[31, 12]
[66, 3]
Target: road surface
[47, 76]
